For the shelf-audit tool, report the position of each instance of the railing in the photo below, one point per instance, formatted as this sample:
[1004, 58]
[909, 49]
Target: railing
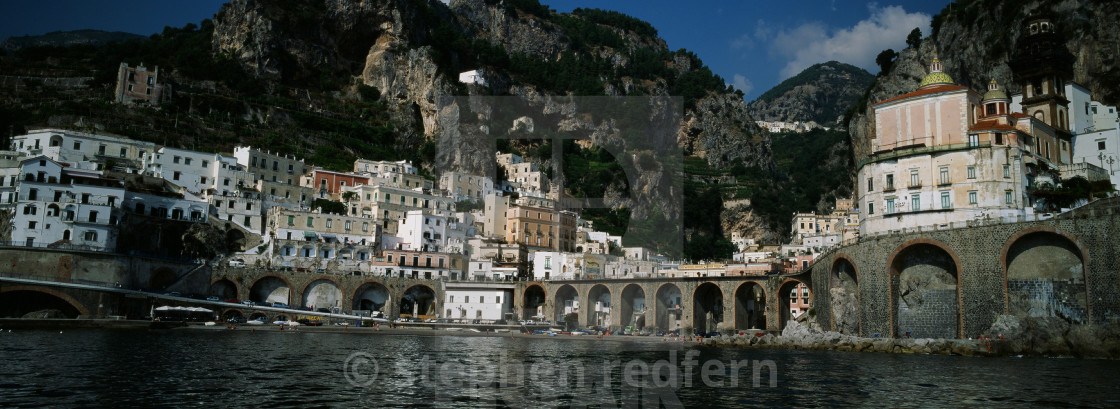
[876, 157]
[78, 247]
[58, 279]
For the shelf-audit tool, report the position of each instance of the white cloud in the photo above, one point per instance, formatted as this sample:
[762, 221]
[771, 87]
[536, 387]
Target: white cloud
[742, 83]
[858, 45]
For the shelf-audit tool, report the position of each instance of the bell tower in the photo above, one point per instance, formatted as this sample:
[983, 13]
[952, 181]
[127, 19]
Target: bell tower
[1042, 66]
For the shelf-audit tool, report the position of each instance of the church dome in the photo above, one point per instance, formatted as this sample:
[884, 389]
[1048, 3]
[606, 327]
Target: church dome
[936, 76]
[994, 93]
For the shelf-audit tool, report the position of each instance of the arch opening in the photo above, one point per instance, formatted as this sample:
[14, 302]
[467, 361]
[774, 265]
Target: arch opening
[750, 306]
[322, 294]
[371, 297]
[567, 306]
[224, 289]
[669, 310]
[599, 304]
[793, 301]
[232, 314]
[161, 278]
[633, 308]
[707, 308]
[844, 297]
[532, 303]
[270, 290]
[35, 304]
[1046, 278]
[418, 301]
[925, 301]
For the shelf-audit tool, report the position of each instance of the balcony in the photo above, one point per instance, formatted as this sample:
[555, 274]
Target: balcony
[918, 150]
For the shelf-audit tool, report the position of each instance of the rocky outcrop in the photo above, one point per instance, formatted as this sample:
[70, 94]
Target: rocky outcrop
[720, 130]
[974, 43]
[517, 33]
[820, 93]
[1052, 336]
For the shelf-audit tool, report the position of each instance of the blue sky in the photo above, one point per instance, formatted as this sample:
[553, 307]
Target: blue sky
[752, 44]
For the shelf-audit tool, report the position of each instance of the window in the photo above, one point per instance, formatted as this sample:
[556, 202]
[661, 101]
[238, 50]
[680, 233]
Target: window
[972, 197]
[347, 225]
[1007, 197]
[870, 208]
[890, 206]
[466, 298]
[498, 299]
[93, 217]
[77, 145]
[291, 220]
[945, 204]
[33, 194]
[205, 163]
[914, 180]
[310, 222]
[915, 203]
[972, 172]
[944, 175]
[225, 182]
[202, 180]
[1100, 145]
[365, 226]
[175, 176]
[175, 160]
[890, 182]
[974, 140]
[187, 161]
[31, 224]
[329, 223]
[90, 236]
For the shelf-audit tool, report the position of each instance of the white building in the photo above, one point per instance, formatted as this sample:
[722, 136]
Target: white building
[271, 166]
[196, 172]
[72, 146]
[57, 205]
[9, 176]
[464, 186]
[478, 301]
[473, 77]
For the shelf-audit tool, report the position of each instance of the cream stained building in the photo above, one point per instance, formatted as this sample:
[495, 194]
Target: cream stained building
[945, 154]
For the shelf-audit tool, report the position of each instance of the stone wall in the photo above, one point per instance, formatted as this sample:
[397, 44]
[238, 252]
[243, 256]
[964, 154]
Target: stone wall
[981, 255]
[934, 317]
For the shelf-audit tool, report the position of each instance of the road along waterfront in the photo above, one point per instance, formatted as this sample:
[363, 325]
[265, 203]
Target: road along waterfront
[268, 367]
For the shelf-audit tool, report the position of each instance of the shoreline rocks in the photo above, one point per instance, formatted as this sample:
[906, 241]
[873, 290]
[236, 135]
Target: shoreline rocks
[1040, 336]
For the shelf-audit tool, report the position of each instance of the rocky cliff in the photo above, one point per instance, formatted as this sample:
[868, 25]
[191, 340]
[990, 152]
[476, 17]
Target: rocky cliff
[820, 93]
[975, 40]
[412, 50]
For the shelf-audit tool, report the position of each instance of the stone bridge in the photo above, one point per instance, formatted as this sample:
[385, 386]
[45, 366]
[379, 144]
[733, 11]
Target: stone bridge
[705, 303]
[954, 283]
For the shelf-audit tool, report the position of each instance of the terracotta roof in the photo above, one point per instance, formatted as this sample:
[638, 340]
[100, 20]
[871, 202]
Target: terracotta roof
[1020, 115]
[991, 124]
[927, 91]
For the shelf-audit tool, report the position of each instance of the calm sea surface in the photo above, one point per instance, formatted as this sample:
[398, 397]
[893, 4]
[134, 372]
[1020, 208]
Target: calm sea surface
[301, 369]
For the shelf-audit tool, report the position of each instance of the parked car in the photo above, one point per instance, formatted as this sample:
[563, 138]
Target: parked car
[175, 294]
[431, 320]
[304, 308]
[236, 320]
[212, 298]
[323, 310]
[233, 301]
[280, 305]
[257, 321]
[249, 302]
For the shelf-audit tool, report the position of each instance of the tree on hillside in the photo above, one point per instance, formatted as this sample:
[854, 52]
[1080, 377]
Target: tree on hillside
[915, 38]
[885, 61]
